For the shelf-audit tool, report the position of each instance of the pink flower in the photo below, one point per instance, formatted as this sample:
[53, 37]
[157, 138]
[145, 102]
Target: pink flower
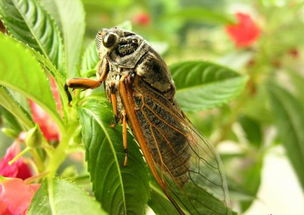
[16, 196]
[46, 123]
[142, 19]
[245, 32]
[18, 169]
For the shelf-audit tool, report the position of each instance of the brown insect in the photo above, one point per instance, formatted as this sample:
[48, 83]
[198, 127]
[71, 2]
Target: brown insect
[141, 90]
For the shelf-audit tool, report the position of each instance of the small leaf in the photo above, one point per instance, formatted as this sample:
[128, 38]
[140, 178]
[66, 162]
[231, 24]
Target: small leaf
[9, 121]
[289, 118]
[200, 15]
[66, 198]
[69, 14]
[27, 21]
[25, 75]
[203, 85]
[252, 129]
[121, 190]
[251, 181]
[11, 105]
[90, 59]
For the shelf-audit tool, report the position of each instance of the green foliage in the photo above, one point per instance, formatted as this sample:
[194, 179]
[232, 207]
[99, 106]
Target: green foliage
[64, 198]
[113, 184]
[200, 15]
[289, 118]
[89, 60]
[203, 85]
[28, 22]
[11, 105]
[25, 75]
[159, 203]
[252, 129]
[251, 180]
[69, 15]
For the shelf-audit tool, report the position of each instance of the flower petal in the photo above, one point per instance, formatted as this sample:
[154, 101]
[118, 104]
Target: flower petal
[245, 32]
[19, 168]
[13, 202]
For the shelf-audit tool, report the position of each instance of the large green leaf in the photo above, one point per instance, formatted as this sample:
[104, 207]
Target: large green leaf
[20, 71]
[289, 117]
[203, 85]
[89, 60]
[200, 15]
[121, 190]
[69, 14]
[27, 21]
[62, 198]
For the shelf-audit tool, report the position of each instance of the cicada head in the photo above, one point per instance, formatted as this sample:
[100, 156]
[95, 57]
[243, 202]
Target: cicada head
[120, 47]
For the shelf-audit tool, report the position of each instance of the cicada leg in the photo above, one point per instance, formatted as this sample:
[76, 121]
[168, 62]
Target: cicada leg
[87, 83]
[125, 137]
[113, 99]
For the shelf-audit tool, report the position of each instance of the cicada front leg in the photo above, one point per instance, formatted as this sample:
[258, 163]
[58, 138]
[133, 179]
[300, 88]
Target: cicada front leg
[87, 83]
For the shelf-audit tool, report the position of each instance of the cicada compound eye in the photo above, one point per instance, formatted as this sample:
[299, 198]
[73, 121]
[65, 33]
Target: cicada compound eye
[109, 40]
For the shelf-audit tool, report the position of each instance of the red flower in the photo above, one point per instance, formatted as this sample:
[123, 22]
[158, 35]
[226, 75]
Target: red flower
[142, 19]
[245, 32]
[46, 123]
[18, 169]
[16, 196]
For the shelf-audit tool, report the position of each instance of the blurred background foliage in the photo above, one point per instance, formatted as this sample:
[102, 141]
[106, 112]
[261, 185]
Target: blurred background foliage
[268, 114]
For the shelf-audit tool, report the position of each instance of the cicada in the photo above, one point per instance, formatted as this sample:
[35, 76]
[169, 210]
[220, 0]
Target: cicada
[140, 88]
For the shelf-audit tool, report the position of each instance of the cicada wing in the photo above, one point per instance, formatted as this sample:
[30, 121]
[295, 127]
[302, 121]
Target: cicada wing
[184, 159]
[184, 164]
[194, 178]
[205, 191]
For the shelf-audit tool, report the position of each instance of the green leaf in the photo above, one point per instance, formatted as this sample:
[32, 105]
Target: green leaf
[11, 105]
[252, 129]
[25, 75]
[159, 202]
[203, 85]
[289, 117]
[298, 82]
[27, 21]
[90, 59]
[251, 179]
[200, 15]
[69, 14]
[121, 190]
[9, 123]
[62, 198]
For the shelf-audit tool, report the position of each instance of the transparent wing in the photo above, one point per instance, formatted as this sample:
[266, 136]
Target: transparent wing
[186, 162]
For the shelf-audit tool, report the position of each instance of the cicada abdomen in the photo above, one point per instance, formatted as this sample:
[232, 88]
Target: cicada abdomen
[141, 90]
